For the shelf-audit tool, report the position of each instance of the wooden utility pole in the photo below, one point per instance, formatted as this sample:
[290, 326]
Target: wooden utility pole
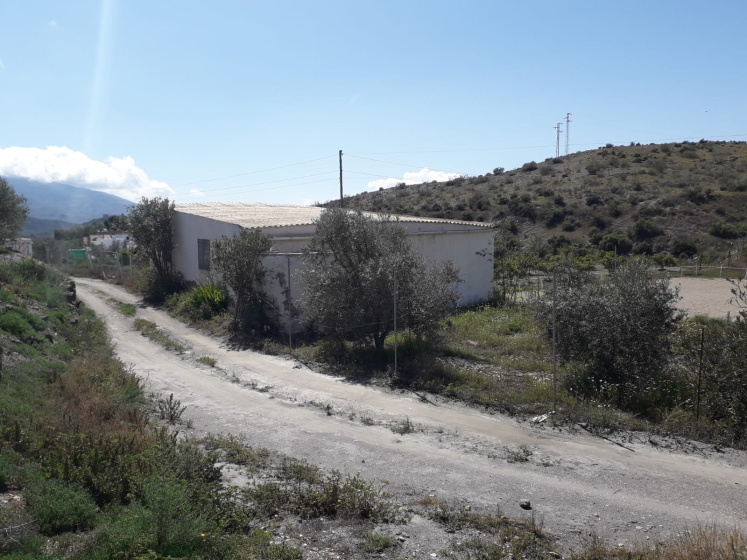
[340, 178]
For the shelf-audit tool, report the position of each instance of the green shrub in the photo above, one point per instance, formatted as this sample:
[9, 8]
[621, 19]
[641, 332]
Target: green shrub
[726, 231]
[529, 166]
[683, 247]
[207, 300]
[5, 472]
[59, 506]
[154, 289]
[644, 229]
[616, 242]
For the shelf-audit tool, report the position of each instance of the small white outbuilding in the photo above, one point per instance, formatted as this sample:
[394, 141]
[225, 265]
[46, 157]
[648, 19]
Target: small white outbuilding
[469, 245]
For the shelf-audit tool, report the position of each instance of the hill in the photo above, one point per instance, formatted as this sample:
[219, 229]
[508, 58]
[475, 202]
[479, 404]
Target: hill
[58, 201]
[679, 198]
[38, 227]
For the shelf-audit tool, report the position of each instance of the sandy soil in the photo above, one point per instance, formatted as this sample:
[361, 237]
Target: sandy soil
[706, 296]
[577, 483]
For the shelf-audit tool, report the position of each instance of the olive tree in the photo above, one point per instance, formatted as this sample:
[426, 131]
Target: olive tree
[238, 260]
[617, 329]
[13, 211]
[347, 282]
[151, 223]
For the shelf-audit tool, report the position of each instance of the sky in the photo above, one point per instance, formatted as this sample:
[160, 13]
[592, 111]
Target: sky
[251, 101]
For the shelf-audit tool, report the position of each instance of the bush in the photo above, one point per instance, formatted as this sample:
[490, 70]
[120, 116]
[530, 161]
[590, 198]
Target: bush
[618, 331]
[155, 288]
[60, 507]
[529, 166]
[616, 242]
[726, 231]
[683, 247]
[644, 229]
[206, 301]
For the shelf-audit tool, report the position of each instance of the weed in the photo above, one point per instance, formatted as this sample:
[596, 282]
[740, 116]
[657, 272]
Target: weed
[59, 506]
[152, 331]
[520, 455]
[126, 309]
[207, 360]
[403, 427]
[170, 409]
[376, 542]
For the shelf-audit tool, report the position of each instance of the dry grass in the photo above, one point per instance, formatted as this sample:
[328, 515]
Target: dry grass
[704, 543]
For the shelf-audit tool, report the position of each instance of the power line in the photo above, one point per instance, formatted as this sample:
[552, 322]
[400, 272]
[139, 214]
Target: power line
[251, 172]
[276, 188]
[257, 184]
[391, 162]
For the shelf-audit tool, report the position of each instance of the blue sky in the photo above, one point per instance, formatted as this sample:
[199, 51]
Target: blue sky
[218, 101]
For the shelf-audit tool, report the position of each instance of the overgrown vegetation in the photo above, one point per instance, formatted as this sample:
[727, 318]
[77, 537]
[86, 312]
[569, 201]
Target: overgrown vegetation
[13, 211]
[352, 267]
[238, 260]
[637, 198]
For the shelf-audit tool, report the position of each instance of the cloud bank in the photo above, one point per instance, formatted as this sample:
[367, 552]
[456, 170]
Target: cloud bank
[425, 175]
[117, 176]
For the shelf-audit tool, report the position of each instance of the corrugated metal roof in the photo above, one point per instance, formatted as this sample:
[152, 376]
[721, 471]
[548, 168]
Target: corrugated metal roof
[258, 215]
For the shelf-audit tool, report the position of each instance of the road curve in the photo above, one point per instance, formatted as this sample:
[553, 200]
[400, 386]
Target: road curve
[577, 483]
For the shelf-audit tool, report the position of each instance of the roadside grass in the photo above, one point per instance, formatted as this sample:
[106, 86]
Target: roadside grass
[152, 331]
[705, 542]
[126, 309]
[208, 361]
[511, 337]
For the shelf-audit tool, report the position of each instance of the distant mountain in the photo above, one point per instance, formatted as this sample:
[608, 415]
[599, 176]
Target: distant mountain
[58, 201]
[38, 227]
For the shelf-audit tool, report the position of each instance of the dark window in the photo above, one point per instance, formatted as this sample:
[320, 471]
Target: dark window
[203, 254]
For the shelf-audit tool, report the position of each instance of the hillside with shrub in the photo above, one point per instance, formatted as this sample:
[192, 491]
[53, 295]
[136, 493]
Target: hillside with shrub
[682, 199]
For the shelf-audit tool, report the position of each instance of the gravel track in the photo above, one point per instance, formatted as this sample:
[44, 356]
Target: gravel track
[578, 483]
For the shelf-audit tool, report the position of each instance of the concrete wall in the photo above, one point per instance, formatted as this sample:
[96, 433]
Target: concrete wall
[469, 247]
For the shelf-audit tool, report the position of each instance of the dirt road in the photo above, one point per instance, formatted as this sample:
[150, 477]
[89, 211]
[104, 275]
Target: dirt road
[577, 483]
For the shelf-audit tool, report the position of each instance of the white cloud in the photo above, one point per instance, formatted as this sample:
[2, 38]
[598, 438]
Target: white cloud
[117, 176]
[52, 24]
[1, 64]
[425, 175]
[196, 192]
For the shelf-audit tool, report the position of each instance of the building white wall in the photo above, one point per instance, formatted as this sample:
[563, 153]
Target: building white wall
[469, 247]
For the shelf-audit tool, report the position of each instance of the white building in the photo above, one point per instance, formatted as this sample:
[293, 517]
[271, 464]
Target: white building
[107, 240]
[468, 245]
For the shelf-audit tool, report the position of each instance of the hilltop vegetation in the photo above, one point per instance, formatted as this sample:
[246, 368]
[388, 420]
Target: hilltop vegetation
[682, 199]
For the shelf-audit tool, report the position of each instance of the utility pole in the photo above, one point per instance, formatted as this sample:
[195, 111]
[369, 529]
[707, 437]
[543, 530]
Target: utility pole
[557, 139]
[567, 131]
[340, 178]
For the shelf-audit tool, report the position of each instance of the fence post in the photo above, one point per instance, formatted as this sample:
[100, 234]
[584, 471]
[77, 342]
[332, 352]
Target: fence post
[700, 374]
[721, 272]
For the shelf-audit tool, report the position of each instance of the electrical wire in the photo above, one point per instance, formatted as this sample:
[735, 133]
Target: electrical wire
[251, 172]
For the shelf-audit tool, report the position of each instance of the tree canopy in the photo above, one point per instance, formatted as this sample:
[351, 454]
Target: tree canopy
[13, 211]
[151, 223]
[238, 260]
[348, 278]
[617, 329]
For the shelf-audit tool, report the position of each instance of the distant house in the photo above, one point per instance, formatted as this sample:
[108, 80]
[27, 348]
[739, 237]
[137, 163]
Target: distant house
[106, 239]
[22, 245]
[468, 245]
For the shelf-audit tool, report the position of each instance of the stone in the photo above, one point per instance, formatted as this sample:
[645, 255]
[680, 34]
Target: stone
[525, 504]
